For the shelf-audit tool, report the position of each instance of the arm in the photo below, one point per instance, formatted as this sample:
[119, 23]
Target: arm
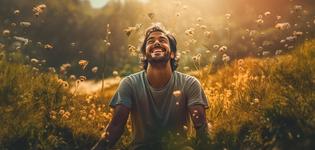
[198, 116]
[115, 128]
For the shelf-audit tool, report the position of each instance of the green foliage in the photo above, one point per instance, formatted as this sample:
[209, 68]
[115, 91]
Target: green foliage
[270, 105]
[27, 97]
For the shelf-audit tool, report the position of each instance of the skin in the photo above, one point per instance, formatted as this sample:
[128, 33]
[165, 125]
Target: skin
[159, 72]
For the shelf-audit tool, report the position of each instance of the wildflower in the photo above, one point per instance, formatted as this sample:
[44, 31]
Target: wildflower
[190, 32]
[72, 77]
[82, 78]
[240, 62]
[66, 115]
[186, 68]
[39, 9]
[196, 58]
[66, 66]
[297, 7]
[225, 58]
[48, 46]
[51, 69]
[208, 33]
[199, 19]
[216, 46]
[203, 26]
[34, 61]
[177, 93]
[290, 38]
[65, 84]
[297, 33]
[94, 69]
[107, 44]
[115, 73]
[252, 33]
[278, 52]
[83, 64]
[21, 39]
[61, 111]
[6, 32]
[129, 30]
[151, 15]
[13, 24]
[185, 128]
[267, 43]
[290, 47]
[265, 53]
[223, 49]
[35, 69]
[25, 24]
[260, 21]
[227, 16]
[16, 12]
[256, 100]
[267, 13]
[132, 49]
[282, 26]
[278, 17]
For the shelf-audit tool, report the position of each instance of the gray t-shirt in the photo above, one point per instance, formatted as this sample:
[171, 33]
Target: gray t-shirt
[157, 112]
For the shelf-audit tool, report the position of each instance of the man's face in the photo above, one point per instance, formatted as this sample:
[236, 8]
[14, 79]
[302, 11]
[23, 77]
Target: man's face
[158, 48]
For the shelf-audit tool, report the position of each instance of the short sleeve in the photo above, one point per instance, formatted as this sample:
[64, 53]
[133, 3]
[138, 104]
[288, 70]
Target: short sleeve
[123, 94]
[195, 94]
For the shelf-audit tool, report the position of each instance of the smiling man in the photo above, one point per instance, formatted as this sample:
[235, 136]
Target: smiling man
[159, 100]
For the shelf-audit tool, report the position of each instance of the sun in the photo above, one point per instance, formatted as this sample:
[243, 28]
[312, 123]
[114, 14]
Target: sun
[98, 3]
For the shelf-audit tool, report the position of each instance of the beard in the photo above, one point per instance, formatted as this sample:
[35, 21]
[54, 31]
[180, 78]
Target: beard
[158, 60]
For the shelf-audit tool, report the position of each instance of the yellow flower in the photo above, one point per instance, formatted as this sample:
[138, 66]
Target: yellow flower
[39, 9]
[94, 69]
[83, 63]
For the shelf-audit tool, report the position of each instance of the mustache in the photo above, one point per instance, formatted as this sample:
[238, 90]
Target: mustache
[163, 49]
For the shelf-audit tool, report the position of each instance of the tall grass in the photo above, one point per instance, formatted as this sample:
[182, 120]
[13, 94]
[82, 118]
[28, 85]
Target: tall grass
[265, 103]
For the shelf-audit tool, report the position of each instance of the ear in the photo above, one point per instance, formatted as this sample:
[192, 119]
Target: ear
[172, 55]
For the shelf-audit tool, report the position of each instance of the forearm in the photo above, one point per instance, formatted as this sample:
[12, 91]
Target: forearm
[111, 135]
[114, 130]
[198, 117]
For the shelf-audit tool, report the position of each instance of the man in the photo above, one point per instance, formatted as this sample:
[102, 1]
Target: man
[159, 99]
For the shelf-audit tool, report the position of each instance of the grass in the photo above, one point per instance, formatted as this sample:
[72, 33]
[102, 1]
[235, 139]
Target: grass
[265, 103]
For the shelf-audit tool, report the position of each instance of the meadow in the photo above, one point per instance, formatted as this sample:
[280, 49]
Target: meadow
[259, 79]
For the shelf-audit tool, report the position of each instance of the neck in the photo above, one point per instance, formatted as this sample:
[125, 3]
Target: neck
[158, 76]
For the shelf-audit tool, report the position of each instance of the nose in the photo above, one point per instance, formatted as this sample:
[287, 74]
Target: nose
[156, 43]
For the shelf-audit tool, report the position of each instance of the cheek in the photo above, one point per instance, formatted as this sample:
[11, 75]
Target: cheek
[147, 48]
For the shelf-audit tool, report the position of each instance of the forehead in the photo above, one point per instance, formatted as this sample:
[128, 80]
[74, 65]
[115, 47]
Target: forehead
[157, 34]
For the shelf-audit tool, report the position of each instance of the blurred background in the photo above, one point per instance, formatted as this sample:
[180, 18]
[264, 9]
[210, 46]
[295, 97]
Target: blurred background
[61, 61]
[64, 32]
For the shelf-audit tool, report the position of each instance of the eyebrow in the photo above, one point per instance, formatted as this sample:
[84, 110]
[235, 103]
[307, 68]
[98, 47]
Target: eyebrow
[151, 37]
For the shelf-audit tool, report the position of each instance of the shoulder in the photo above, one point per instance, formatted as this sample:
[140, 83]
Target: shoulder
[133, 78]
[185, 77]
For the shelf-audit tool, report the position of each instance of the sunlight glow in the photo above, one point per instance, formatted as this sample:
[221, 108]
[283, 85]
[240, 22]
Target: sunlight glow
[102, 3]
[98, 3]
